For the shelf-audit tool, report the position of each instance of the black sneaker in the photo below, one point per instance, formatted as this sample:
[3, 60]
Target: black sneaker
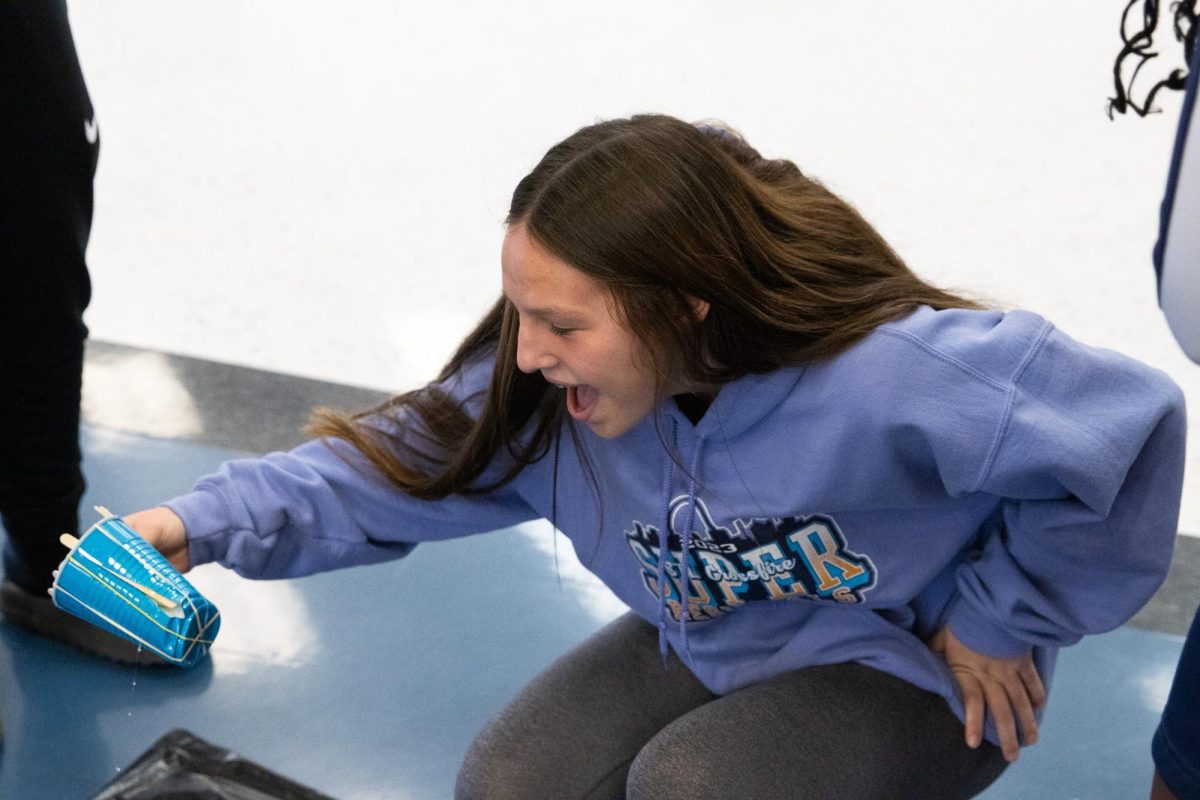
[37, 613]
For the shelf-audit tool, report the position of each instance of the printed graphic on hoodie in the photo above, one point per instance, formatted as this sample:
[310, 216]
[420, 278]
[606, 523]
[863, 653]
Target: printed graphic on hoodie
[785, 558]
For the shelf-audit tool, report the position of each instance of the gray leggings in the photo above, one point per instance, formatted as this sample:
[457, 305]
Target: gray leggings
[605, 721]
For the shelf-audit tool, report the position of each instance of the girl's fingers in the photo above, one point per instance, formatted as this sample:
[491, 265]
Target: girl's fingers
[1007, 688]
[1023, 705]
[973, 708]
[1033, 684]
[1002, 715]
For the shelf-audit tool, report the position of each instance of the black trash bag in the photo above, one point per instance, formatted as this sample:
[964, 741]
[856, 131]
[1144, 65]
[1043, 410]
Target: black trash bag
[182, 766]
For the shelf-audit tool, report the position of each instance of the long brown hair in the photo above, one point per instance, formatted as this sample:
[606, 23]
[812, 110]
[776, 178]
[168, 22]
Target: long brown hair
[661, 212]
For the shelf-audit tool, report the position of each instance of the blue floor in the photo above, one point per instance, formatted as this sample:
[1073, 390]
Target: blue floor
[369, 683]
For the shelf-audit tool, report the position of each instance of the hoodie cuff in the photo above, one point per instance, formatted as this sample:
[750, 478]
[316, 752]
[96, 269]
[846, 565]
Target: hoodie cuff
[204, 516]
[982, 634]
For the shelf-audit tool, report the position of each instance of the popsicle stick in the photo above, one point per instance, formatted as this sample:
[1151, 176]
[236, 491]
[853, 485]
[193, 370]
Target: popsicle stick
[68, 540]
[164, 603]
[104, 512]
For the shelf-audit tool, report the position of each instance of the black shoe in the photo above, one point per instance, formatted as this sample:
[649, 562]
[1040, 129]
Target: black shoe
[39, 614]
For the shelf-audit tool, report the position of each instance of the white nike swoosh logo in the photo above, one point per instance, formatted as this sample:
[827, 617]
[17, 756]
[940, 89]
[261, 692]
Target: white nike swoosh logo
[91, 130]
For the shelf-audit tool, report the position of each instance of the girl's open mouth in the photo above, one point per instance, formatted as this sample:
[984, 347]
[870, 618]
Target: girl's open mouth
[581, 401]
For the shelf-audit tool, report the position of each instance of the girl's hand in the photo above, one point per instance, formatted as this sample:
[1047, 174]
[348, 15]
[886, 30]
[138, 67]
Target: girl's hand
[1008, 688]
[163, 529]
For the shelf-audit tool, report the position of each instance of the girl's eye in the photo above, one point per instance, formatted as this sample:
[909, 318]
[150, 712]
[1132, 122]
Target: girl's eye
[557, 331]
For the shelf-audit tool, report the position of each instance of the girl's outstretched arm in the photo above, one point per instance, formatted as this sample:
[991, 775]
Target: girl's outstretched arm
[324, 505]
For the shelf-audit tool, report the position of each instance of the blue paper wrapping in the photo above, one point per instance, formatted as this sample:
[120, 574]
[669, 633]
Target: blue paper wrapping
[105, 578]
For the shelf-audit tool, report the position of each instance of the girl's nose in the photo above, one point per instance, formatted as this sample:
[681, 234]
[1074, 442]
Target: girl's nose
[532, 354]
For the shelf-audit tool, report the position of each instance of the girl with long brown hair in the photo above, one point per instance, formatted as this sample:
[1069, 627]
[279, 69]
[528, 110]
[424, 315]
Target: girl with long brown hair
[854, 516]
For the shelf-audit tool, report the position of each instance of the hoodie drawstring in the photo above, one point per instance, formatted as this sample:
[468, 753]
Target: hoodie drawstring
[685, 548]
[664, 549]
[685, 539]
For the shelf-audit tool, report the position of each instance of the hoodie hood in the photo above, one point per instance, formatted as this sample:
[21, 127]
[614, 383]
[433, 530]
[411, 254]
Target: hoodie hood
[737, 407]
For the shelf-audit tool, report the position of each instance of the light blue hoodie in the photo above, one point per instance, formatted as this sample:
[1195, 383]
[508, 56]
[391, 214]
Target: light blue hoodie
[970, 468]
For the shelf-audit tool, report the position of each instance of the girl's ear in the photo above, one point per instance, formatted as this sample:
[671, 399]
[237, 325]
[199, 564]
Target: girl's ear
[699, 308]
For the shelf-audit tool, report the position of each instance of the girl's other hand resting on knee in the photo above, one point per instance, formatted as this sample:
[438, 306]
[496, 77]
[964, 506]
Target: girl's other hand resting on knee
[163, 529]
[1009, 688]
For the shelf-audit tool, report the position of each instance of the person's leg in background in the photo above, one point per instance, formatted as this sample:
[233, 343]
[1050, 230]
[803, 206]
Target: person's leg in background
[49, 145]
[45, 221]
[1176, 744]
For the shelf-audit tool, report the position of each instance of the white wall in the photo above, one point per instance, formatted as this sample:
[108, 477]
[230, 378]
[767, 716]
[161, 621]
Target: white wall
[318, 188]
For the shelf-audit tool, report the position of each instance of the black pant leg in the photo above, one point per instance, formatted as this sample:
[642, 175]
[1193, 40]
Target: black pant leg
[49, 144]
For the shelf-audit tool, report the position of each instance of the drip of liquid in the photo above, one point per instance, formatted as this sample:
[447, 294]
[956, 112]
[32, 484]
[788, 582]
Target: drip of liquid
[137, 662]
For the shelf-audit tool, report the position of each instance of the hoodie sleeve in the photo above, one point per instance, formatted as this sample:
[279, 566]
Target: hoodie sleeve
[323, 506]
[1089, 459]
